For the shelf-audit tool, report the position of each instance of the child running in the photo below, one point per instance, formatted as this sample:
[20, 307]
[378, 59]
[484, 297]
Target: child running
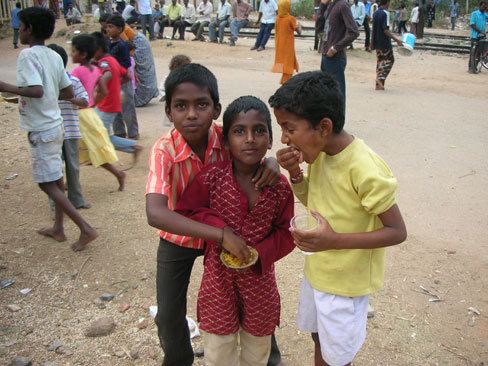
[110, 106]
[285, 58]
[41, 82]
[192, 104]
[241, 304]
[351, 192]
[95, 145]
[69, 113]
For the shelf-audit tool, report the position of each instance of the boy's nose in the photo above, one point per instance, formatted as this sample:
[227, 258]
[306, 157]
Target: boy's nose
[249, 136]
[191, 112]
[284, 138]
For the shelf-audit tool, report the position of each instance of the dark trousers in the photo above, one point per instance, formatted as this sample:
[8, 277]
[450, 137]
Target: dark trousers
[336, 66]
[173, 273]
[181, 25]
[367, 31]
[164, 23]
[403, 26]
[16, 36]
[147, 21]
[263, 35]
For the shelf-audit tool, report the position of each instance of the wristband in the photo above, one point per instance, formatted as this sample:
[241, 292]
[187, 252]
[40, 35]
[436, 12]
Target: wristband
[295, 178]
[333, 49]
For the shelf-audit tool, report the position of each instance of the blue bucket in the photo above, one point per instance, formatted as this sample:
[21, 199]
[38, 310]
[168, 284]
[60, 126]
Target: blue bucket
[408, 40]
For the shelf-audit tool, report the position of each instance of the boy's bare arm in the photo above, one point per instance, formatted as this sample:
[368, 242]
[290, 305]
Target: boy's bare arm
[268, 174]
[79, 102]
[162, 218]
[101, 87]
[325, 238]
[35, 91]
[66, 93]
[126, 78]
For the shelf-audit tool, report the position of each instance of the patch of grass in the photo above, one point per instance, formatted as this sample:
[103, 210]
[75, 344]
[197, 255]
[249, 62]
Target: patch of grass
[303, 9]
[61, 33]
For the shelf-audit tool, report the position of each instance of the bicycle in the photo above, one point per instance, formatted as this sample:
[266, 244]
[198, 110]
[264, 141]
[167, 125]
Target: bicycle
[479, 55]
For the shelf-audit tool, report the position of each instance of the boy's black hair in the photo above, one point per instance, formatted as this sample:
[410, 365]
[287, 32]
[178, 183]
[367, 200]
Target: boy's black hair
[103, 18]
[100, 42]
[245, 104]
[384, 2]
[60, 51]
[312, 95]
[42, 20]
[18, 5]
[116, 20]
[191, 73]
[85, 43]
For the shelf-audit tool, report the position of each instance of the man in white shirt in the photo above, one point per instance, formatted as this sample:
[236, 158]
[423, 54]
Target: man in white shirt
[188, 17]
[146, 18]
[204, 11]
[73, 16]
[358, 11]
[414, 19]
[221, 21]
[130, 14]
[267, 11]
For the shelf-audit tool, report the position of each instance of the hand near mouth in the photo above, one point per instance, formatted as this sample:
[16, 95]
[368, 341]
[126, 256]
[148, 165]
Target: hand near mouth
[289, 158]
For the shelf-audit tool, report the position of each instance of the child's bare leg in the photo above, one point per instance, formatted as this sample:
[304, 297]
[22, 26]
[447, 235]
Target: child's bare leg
[319, 361]
[137, 153]
[55, 191]
[57, 231]
[120, 175]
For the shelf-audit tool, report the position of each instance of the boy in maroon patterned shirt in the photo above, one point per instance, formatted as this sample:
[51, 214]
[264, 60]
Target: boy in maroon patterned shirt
[241, 303]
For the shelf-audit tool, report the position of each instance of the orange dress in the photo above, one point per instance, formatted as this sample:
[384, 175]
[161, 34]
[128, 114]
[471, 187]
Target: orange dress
[285, 60]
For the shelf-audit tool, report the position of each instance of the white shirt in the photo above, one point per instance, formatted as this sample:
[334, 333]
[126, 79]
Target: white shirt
[188, 13]
[127, 10]
[207, 11]
[69, 111]
[223, 10]
[358, 13]
[145, 7]
[268, 9]
[39, 65]
[414, 17]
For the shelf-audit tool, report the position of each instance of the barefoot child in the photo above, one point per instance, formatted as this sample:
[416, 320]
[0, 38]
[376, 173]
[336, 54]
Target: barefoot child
[95, 146]
[351, 191]
[41, 82]
[192, 104]
[69, 113]
[110, 106]
[241, 304]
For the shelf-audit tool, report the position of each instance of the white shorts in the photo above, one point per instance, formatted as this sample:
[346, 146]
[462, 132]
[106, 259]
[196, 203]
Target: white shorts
[339, 321]
[45, 153]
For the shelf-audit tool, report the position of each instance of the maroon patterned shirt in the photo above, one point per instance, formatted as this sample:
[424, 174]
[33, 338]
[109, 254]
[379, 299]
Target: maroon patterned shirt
[228, 298]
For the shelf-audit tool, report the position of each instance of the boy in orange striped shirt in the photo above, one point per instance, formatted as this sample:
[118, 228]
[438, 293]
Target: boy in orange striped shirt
[192, 104]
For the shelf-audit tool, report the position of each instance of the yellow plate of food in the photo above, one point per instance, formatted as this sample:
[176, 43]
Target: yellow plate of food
[232, 262]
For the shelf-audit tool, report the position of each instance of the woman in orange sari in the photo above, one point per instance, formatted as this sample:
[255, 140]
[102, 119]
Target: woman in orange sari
[285, 59]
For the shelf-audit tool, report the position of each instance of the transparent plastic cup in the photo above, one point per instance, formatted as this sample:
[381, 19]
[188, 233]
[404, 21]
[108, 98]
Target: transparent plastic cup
[305, 222]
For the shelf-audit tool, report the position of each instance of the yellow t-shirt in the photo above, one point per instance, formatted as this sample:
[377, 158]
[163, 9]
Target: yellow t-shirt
[173, 11]
[349, 189]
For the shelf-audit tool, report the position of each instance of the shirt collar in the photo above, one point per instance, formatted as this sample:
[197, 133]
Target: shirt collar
[183, 150]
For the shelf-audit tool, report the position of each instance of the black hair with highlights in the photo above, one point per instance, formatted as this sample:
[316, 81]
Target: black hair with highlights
[60, 51]
[312, 95]
[85, 43]
[42, 20]
[100, 42]
[245, 104]
[191, 73]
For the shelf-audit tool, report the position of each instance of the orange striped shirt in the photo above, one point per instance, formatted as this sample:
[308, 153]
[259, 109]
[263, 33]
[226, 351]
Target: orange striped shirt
[172, 167]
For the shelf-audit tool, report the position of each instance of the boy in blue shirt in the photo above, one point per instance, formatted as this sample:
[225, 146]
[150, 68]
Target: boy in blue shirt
[42, 80]
[350, 190]
[15, 23]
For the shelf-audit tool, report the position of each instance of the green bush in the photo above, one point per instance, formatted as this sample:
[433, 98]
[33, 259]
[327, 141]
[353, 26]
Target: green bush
[303, 9]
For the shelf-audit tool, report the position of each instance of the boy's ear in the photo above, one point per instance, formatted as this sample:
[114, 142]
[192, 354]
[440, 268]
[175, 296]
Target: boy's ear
[216, 111]
[168, 113]
[325, 127]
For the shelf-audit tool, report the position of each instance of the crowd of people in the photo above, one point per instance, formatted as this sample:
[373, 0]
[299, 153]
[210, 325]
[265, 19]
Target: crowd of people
[209, 186]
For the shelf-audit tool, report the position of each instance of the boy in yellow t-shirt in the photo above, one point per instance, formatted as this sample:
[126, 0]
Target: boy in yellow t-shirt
[351, 192]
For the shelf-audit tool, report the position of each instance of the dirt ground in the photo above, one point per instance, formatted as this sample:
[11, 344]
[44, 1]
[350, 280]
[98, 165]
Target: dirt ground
[429, 125]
